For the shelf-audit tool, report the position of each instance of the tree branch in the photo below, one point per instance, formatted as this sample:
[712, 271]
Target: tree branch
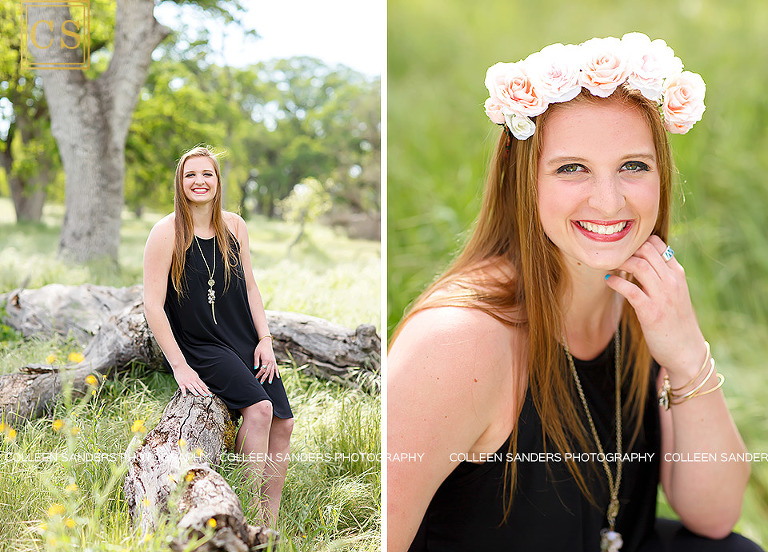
[137, 34]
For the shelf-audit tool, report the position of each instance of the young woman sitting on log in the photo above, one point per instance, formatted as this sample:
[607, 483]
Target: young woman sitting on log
[206, 313]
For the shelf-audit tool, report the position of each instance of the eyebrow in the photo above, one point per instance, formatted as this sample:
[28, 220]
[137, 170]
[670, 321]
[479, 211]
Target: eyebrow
[573, 159]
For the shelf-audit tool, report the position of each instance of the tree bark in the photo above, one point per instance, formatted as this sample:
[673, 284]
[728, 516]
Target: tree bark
[28, 192]
[90, 121]
[170, 477]
[110, 324]
[28, 197]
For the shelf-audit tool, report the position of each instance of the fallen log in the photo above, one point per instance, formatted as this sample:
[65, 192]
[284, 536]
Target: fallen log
[170, 478]
[110, 324]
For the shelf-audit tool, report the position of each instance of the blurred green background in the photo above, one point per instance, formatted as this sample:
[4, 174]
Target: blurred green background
[440, 142]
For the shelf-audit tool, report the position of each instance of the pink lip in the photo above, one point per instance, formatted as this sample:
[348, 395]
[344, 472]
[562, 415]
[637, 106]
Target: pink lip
[604, 237]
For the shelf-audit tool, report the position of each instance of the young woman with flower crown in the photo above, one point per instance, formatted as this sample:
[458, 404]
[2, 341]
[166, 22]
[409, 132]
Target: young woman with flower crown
[206, 313]
[556, 372]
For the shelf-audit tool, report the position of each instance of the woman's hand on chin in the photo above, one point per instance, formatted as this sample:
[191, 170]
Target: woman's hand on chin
[663, 305]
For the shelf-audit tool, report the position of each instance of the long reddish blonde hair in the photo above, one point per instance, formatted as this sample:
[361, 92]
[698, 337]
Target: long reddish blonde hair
[184, 228]
[526, 289]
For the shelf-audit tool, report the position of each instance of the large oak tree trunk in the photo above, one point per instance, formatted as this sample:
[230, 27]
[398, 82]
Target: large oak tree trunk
[90, 121]
[170, 477]
[110, 321]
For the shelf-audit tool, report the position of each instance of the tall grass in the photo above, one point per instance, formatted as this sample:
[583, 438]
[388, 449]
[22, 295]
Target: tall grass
[440, 142]
[52, 501]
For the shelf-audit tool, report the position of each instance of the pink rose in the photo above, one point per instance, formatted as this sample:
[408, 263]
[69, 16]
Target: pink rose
[605, 66]
[494, 112]
[556, 70]
[649, 64]
[510, 85]
[683, 103]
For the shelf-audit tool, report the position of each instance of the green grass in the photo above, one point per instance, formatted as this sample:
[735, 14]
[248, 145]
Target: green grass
[440, 142]
[332, 497]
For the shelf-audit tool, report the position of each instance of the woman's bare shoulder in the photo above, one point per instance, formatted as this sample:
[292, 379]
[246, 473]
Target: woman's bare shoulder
[460, 335]
[163, 231]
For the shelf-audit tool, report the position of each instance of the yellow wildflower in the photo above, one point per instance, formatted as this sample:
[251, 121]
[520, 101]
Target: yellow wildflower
[91, 380]
[57, 425]
[69, 522]
[75, 430]
[182, 443]
[42, 527]
[211, 523]
[189, 477]
[50, 359]
[71, 488]
[138, 426]
[56, 509]
[198, 452]
[10, 434]
[76, 358]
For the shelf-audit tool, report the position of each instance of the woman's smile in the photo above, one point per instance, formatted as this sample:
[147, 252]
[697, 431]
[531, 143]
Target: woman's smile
[604, 231]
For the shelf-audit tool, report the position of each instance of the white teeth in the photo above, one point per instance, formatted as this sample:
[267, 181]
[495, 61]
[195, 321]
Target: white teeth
[602, 228]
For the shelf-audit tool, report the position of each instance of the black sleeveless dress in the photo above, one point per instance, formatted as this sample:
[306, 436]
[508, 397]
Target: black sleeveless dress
[549, 513]
[222, 353]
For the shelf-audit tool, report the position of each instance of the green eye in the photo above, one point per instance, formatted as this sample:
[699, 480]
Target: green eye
[635, 166]
[570, 168]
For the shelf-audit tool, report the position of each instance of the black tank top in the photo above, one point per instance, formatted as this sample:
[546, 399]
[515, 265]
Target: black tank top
[549, 513]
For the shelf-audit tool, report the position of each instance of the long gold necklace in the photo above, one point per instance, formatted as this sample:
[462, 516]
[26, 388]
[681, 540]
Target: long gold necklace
[610, 539]
[211, 281]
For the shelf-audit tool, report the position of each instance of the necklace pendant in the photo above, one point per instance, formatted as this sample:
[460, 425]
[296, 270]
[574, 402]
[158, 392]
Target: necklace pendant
[211, 282]
[610, 541]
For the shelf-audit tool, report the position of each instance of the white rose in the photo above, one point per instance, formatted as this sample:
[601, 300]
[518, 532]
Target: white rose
[649, 64]
[521, 126]
[555, 70]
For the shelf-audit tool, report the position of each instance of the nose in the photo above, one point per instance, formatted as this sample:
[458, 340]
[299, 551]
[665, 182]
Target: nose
[607, 195]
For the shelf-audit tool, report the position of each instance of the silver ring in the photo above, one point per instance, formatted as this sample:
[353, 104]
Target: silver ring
[668, 254]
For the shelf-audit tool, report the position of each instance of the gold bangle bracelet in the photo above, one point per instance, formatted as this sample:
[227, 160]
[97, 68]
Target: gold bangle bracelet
[696, 389]
[703, 367]
[721, 380]
[667, 398]
[265, 337]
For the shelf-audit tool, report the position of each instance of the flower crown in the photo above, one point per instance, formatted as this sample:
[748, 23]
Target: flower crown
[557, 73]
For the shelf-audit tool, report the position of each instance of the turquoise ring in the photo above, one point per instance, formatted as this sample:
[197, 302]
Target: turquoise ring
[668, 254]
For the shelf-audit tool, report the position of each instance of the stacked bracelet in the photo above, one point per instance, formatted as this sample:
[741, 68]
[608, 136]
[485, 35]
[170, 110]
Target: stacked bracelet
[669, 396]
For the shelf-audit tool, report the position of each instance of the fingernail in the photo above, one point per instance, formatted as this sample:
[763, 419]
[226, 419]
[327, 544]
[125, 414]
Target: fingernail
[607, 276]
